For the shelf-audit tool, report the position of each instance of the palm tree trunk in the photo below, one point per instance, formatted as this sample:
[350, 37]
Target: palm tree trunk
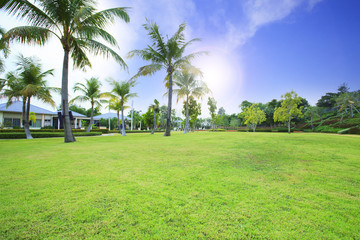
[26, 125]
[187, 126]
[91, 118]
[118, 123]
[154, 123]
[68, 135]
[168, 119]
[122, 121]
[23, 112]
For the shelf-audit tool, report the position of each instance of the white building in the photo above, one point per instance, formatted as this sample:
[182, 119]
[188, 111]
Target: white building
[11, 117]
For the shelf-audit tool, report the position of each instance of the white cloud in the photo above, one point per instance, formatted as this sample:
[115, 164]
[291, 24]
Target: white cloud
[258, 14]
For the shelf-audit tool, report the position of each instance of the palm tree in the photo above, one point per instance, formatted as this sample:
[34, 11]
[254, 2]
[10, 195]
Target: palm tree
[76, 24]
[91, 93]
[155, 107]
[122, 92]
[188, 86]
[115, 104]
[168, 55]
[28, 83]
[4, 47]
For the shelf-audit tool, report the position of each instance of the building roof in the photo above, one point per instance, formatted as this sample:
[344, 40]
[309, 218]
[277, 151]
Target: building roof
[16, 106]
[106, 116]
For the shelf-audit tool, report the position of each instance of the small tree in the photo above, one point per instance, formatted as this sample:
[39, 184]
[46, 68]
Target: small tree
[289, 108]
[155, 108]
[254, 116]
[212, 108]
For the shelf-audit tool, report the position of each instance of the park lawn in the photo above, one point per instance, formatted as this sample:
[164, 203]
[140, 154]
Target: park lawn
[200, 185]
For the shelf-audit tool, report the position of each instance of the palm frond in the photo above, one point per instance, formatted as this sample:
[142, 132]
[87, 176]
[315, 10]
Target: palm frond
[28, 11]
[28, 34]
[97, 48]
[148, 70]
[102, 18]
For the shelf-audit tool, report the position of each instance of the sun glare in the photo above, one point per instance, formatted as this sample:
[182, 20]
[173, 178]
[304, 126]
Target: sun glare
[219, 72]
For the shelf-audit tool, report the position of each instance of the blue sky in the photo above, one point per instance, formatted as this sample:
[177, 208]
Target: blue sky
[259, 49]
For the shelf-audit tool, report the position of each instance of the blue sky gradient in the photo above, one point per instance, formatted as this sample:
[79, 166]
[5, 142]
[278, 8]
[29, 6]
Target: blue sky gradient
[259, 49]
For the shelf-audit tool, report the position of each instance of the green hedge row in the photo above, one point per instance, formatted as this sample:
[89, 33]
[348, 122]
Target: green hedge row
[18, 135]
[135, 131]
[52, 130]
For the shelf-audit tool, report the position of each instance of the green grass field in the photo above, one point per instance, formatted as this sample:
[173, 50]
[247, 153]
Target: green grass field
[200, 185]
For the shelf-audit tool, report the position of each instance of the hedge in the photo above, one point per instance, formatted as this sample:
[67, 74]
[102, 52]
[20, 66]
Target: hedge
[135, 131]
[282, 130]
[18, 135]
[256, 130]
[51, 130]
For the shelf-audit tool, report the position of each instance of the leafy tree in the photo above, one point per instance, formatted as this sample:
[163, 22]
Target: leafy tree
[163, 115]
[168, 55]
[212, 108]
[76, 24]
[148, 118]
[188, 86]
[254, 116]
[90, 93]
[122, 91]
[343, 88]
[105, 122]
[327, 101]
[311, 112]
[116, 105]
[245, 104]
[28, 82]
[193, 109]
[155, 108]
[348, 101]
[269, 110]
[234, 122]
[221, 111]
[137, 118]
[78, 109]
[289, 108]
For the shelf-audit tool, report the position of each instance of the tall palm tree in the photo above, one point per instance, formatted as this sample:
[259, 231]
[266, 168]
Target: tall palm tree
[76, 24]
[189, 86]
[121, 90]
[165, 54]
[155, 107]
[90, 93]
[28, 83]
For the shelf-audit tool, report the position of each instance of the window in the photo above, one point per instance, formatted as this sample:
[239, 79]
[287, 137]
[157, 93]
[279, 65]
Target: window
[37, 124]
[47, 122]
[11, 122]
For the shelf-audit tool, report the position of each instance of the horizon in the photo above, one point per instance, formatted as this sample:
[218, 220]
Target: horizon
[258, 50]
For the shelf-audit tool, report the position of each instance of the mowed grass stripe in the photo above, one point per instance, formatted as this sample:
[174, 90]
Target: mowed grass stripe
[199, 185]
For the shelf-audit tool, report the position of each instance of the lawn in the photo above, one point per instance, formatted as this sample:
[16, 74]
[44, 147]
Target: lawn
[200, 185]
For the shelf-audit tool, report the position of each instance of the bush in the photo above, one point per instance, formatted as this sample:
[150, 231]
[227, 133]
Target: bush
[19, 135]
[282, 130]
[52, 130]
[48, 127]
[327, 129]
[217, 130]
[355, 130]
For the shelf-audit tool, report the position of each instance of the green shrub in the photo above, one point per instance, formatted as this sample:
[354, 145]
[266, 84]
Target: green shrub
[47, 127]
[355, 130]
[282, 130]
[217, 130]
[327, 129]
